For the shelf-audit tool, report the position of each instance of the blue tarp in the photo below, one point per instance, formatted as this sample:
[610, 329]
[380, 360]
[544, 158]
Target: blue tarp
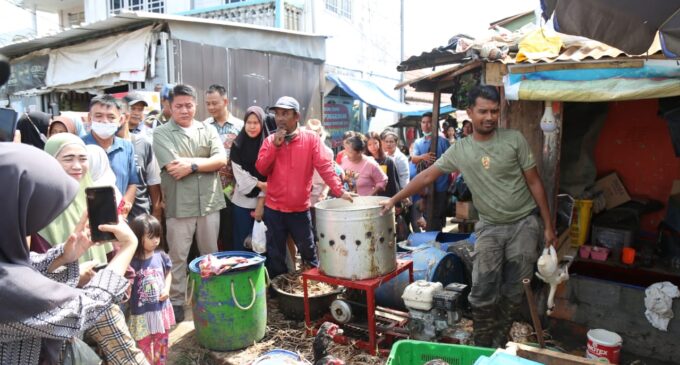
[655, 79]
[373, 95]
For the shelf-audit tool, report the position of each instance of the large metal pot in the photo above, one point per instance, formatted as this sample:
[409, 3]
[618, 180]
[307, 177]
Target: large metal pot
[355, 241]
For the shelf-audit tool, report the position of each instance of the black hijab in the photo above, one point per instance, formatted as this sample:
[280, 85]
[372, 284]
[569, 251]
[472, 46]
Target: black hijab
[35, 190]
[245, 148]
[29, 134]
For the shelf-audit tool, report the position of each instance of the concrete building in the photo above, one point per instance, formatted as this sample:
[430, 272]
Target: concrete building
[363, 37]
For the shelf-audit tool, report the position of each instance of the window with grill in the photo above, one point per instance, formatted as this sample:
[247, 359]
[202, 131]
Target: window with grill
[153, 6]
[340, 7]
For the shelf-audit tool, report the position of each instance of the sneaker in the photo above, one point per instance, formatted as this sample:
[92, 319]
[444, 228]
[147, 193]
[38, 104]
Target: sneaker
[179, 313]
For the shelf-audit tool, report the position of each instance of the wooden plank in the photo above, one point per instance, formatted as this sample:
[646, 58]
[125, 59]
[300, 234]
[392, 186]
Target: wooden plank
[545, 356]
[430, 76]
[451, 75]
[525, 116]
[582, 65]
[494, 72]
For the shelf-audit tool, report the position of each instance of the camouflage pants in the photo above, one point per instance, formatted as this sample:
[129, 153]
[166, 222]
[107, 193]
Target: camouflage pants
[504, 255]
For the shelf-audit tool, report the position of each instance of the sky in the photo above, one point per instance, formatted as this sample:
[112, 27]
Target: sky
[430, 23]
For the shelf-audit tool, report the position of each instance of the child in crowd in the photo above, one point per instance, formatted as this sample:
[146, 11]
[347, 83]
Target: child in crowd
[151, 313]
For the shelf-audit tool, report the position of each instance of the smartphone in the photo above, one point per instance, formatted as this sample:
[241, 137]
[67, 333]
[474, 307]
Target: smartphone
[101, 209]
[8, 124]
[100, 266]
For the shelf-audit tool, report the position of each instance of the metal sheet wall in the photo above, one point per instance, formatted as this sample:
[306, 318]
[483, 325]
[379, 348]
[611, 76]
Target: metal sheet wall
[300, 79]
[249, 80]
[251, 77]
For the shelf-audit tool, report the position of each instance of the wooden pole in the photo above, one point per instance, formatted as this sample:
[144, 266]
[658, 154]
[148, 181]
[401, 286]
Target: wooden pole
[433, 149]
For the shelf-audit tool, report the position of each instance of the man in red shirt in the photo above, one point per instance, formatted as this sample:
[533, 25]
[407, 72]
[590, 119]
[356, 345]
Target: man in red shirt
[288, 158]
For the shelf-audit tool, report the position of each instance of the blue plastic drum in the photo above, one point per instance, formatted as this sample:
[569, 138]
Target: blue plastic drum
[429, 263]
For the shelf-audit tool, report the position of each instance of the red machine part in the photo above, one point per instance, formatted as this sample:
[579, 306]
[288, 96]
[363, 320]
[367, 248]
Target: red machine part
[367, 285]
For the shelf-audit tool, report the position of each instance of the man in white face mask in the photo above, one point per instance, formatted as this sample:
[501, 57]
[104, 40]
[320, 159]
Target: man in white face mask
[106, 118]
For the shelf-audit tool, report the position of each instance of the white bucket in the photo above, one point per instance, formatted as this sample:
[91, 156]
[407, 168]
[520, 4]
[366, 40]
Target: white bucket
[604, 346]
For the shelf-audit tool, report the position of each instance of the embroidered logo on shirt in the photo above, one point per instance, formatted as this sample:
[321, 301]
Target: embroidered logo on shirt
[486, 162]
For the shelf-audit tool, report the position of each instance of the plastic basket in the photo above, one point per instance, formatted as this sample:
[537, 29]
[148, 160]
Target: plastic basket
[580, 221]
[410, 352]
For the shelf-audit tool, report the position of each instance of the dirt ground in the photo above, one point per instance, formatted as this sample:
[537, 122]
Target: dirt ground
[281, 334]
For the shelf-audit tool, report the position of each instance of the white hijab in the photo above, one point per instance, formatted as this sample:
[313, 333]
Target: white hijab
[100, 169]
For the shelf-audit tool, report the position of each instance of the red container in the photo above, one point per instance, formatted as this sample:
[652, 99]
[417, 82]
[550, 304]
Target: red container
[604, 345]
[628, 255]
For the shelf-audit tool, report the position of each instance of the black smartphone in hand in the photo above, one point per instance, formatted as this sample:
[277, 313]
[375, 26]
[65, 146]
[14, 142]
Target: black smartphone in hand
[101, 209]
[8, 124]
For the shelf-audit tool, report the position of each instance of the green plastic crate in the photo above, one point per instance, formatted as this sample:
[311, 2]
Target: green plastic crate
[410, 352]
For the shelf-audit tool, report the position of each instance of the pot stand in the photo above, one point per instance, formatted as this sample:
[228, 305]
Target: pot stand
[367, 285]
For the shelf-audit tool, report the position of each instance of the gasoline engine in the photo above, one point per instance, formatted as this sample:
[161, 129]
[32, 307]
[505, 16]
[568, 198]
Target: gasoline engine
[433, 309]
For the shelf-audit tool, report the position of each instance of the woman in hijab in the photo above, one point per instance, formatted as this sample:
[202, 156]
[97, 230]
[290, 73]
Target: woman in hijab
[70, 151]
[33, 127]
[250, 186]
[40, 306]
[61, 124]
[72, 154]
[100, 169]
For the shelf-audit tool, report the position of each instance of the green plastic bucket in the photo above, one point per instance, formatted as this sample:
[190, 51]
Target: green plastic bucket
[230, 310]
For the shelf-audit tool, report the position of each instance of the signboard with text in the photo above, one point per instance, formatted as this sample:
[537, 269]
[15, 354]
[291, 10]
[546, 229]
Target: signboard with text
[27, 74]
[337, 117]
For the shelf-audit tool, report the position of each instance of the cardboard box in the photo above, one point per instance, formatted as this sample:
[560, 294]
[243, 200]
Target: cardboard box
[465, 210]
[613, 190]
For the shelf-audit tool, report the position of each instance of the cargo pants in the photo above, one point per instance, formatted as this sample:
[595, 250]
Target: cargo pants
[504, 255]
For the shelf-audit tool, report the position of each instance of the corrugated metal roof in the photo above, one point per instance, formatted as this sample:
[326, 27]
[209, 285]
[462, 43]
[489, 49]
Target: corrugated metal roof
[427, 82]
[437, 57]
[574, 49]
[119, 22]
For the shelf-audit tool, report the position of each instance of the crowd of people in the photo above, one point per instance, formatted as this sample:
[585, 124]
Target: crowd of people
[182, 181]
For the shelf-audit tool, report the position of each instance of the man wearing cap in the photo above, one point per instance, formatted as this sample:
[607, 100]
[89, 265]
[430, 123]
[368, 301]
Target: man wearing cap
[136, 105]
[148, 195]
[288, 158]
[189, 153]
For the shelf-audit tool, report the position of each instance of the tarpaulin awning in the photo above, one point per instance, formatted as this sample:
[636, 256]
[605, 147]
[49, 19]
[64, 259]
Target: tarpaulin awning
[373, 95]
[654, 79]
[100, 62]
[629, 25]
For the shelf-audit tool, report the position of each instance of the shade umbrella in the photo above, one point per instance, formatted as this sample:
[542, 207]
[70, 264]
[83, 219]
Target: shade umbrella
[629, 25]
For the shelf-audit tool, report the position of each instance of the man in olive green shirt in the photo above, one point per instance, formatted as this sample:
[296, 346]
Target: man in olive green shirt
[506, 190]
[190, 153]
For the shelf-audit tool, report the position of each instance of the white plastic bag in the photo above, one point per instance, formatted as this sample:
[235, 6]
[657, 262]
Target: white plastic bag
[258, 238]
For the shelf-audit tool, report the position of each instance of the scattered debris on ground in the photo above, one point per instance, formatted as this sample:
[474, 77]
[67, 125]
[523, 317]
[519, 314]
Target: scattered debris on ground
[281, 334]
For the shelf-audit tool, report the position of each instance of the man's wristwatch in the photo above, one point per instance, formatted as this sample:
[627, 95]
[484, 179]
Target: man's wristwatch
[194, 168]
